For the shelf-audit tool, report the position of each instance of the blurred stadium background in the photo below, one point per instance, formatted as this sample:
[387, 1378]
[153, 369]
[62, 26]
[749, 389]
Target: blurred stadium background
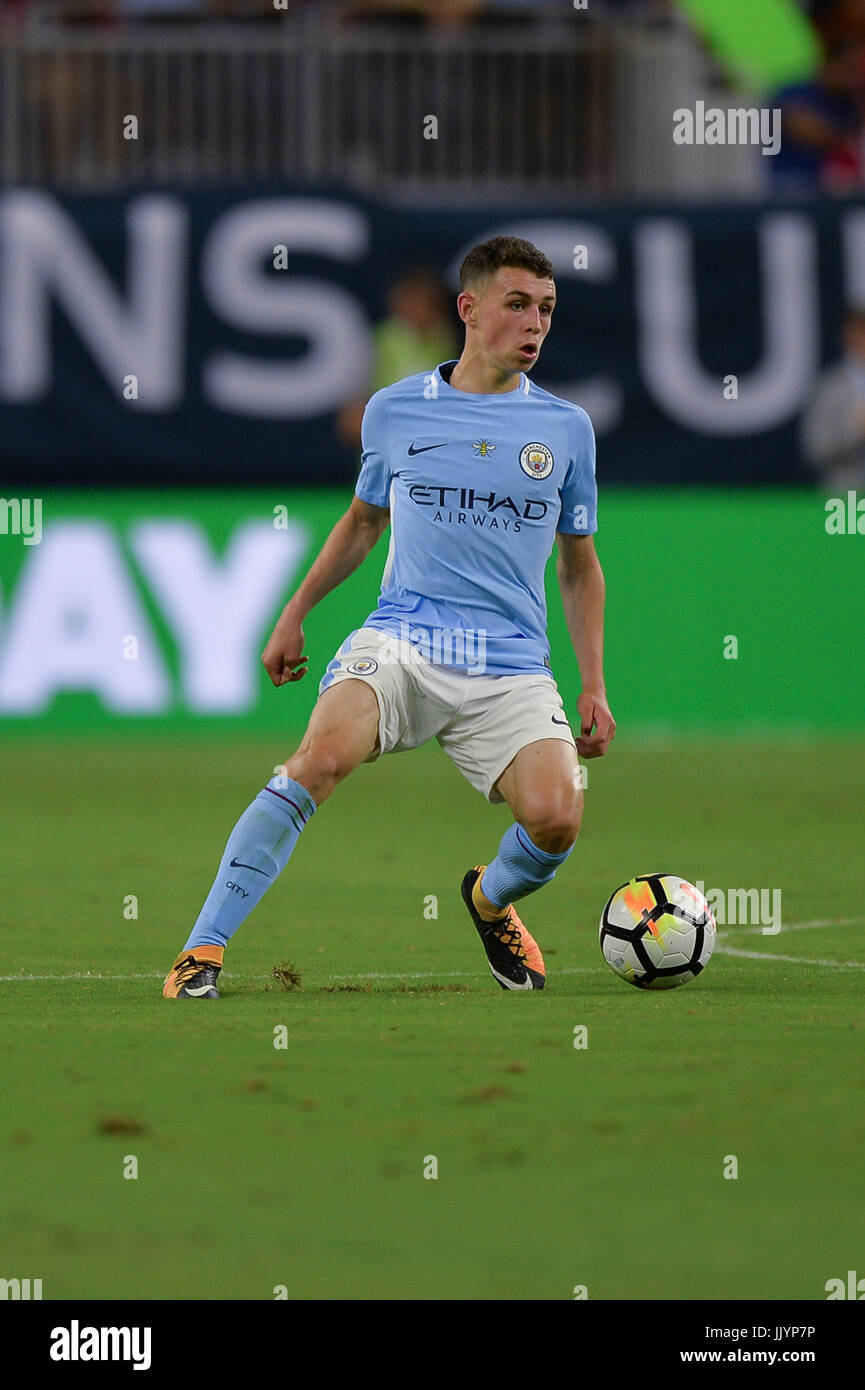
[222, 225]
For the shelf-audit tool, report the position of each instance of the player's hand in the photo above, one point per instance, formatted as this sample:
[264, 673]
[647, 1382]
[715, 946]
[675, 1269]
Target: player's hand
[283, 657]
[594, 714]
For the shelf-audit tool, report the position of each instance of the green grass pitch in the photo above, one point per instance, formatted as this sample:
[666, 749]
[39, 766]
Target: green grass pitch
[303, 1167]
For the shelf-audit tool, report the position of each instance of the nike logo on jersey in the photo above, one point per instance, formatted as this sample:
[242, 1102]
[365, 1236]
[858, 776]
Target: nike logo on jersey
[558, 721]
[425, 447]
[236, 864]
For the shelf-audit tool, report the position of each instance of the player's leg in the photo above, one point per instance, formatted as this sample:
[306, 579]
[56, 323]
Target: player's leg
[342, 733]
[512, 742]
[543, 788]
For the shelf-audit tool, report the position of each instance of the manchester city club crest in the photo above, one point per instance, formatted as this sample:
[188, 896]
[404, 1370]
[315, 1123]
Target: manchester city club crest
[364, 667]
[536, 460]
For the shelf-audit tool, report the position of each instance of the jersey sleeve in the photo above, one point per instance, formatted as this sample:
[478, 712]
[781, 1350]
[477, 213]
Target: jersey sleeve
[373, 484]
[579, 493]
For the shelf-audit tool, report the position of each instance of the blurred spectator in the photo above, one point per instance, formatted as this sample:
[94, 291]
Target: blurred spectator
[455, 12]
[159, 9]
[416, 336]
[822, 125]
[259, 9]
[836, 20]
[833, 426]
[96, 11]
[441, 13]
[64, 11]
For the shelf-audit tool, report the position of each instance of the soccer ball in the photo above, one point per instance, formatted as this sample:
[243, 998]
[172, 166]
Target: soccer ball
[657, 931]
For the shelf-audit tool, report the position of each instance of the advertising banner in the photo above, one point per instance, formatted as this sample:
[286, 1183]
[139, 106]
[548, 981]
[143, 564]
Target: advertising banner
[152, 609]
[210, 338]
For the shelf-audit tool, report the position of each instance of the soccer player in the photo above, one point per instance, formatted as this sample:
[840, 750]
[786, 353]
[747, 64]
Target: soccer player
[479, 473]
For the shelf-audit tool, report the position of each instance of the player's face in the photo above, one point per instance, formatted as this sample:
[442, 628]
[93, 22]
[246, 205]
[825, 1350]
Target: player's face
[514, 312]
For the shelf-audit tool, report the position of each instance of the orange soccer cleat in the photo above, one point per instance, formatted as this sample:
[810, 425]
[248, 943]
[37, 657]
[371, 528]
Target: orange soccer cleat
[513, 954]
[194, 974]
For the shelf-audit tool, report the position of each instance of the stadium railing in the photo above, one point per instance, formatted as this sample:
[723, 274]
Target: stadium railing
[568, 107]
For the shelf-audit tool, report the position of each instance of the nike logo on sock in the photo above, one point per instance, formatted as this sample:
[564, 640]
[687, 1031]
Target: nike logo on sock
[236, 864]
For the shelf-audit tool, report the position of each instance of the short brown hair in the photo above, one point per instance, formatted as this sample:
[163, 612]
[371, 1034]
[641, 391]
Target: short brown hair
[484, 260]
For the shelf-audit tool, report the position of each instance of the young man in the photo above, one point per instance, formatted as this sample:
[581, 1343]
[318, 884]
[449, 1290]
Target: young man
[479, 472]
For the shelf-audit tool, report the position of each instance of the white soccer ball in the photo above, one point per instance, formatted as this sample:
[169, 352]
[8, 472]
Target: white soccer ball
[657, 931]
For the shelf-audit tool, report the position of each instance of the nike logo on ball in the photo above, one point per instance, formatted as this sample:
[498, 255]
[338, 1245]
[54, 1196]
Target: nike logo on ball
[425, 447]
[236, 864]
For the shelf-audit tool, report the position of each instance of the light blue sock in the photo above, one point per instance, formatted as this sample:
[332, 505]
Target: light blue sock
[258, 849]
[519, 868]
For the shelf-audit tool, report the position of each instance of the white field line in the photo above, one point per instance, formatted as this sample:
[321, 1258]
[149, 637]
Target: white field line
[242, 975]
[793, 960]
[800, 926]
[722, 948]
[368, 975]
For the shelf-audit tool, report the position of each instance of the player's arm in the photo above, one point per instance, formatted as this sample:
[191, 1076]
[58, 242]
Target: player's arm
[581, 581]
[347, 546]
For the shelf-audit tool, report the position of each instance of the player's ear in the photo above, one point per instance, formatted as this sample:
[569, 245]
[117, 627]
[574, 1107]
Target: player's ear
[466, 307]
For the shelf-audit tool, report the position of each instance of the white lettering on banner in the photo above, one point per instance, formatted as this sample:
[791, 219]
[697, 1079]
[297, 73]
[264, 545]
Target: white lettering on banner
[338, 360]
[73, 604]
[43, 256]
[667, 313]
[75, 600]
[139, 327]
[217, 609]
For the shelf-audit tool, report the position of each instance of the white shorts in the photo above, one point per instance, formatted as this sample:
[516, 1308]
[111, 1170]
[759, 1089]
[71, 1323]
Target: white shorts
[481, 722]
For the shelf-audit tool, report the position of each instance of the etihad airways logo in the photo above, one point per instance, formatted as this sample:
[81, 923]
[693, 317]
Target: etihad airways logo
[460, 502]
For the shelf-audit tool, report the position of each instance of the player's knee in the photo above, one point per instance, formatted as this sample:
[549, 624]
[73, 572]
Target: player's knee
[554, 825]
[319, 765]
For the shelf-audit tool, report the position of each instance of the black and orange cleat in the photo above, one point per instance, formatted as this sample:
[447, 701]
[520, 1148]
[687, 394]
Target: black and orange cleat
[514, 956]
[194, 974]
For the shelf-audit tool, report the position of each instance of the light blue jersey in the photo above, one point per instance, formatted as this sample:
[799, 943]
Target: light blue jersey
[477, 488]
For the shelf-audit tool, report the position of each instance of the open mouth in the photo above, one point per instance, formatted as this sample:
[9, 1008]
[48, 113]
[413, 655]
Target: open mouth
[529, 351]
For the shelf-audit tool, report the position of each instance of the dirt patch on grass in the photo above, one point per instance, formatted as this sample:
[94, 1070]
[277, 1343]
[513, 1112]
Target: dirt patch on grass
[119, 1124]
[287, 975]
[485, 1093]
